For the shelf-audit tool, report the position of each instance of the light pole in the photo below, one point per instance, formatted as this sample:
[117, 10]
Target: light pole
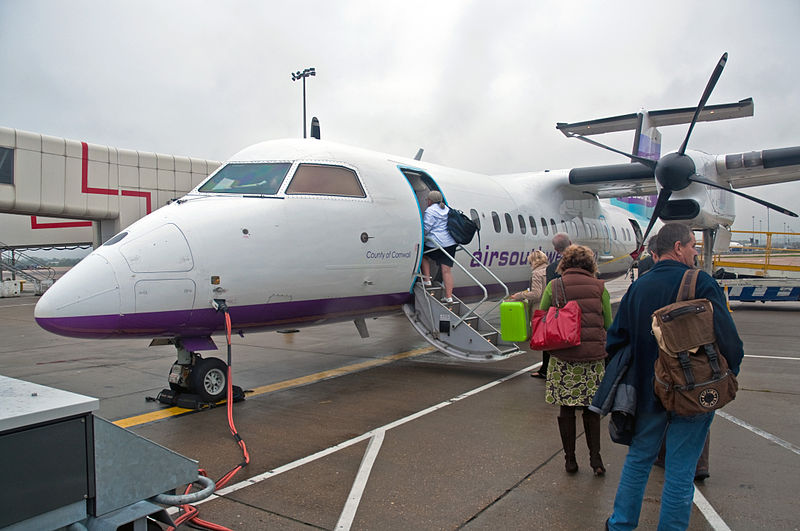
[303, 75]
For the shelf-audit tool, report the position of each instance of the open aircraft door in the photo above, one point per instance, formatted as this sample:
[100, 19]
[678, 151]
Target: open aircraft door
[421, 183]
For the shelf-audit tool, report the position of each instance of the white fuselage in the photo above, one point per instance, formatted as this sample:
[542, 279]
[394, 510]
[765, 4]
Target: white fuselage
[290, 259]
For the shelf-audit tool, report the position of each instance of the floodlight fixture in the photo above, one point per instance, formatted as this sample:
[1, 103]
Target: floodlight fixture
[303, 75]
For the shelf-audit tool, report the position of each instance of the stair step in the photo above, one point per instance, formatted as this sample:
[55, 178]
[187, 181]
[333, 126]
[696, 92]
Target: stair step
[508, 350]
[491, 336]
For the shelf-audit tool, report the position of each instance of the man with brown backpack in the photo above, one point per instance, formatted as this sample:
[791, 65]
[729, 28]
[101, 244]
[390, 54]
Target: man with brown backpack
[684, 435]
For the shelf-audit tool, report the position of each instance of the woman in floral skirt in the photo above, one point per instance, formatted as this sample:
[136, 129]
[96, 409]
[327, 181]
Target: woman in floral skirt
[574, 373]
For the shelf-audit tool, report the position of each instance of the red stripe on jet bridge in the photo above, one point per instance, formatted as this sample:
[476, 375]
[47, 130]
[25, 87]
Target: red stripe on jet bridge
[85, 175]
[85, 188]
[146, 195]
[59, 225]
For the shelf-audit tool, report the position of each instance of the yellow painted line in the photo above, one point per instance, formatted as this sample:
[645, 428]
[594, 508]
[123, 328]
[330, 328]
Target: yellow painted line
[286, 384]
[151, 417]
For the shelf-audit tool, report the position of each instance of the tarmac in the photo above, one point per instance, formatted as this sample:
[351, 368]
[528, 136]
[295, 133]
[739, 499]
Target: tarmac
[384, 433]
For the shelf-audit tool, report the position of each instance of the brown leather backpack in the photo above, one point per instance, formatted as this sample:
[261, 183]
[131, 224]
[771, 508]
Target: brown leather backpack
[691, 375]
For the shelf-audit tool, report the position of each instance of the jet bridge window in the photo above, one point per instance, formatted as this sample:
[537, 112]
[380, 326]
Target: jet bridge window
[319, 179]
[262, 178]
[6, 165]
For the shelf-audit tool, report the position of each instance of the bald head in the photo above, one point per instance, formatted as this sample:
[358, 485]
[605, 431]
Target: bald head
[561, 241]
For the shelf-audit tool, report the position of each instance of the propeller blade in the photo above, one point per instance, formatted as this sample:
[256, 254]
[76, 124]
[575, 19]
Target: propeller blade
[712, 82]
[703, 180]
[635, 158]
[661, 202]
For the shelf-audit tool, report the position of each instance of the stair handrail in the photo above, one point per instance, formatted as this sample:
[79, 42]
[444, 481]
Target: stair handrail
[471, 276]
[48, 271]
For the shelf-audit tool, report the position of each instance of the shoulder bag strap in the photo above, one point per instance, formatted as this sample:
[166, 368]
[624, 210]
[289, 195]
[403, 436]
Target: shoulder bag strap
[563, 293]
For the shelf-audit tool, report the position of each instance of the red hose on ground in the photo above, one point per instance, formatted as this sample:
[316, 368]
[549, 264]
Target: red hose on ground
[190, 512]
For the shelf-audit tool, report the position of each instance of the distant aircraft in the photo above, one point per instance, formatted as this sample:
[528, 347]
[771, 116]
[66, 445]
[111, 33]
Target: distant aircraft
[292, 233]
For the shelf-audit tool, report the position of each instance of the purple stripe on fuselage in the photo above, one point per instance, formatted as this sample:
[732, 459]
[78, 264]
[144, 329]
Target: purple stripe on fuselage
[207, 321]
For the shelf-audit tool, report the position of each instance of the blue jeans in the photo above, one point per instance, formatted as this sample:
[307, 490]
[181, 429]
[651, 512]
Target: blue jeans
[685, 437]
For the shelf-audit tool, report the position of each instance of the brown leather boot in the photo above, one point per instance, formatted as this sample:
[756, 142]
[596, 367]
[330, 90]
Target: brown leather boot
[591, 425]
[566, 427]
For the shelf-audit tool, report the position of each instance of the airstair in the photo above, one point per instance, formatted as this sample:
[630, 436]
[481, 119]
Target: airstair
[42, 277]
[456, 328]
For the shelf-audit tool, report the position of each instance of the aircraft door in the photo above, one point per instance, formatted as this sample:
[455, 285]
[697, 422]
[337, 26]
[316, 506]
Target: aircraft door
[421, 183]
[637, 230]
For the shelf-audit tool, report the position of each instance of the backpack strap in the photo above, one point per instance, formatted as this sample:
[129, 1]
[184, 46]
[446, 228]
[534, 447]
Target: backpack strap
[713, 361]
[688, 284]
[686, 365]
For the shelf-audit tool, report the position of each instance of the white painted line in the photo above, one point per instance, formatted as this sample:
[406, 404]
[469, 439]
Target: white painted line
[758, 431]
[368, 435]
[712, 517]
[708, 511]
[354, 499]
[771, 357]
[15, 305]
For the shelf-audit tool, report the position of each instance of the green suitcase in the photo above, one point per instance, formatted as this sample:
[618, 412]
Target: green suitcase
[515, 323]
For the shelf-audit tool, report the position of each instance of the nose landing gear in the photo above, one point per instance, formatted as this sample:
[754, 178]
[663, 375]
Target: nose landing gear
[196, 382]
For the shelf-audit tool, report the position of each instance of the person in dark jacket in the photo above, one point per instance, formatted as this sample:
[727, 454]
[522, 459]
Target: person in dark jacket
[575, 372]
[648, 261]
[560, 242]
[684, 436]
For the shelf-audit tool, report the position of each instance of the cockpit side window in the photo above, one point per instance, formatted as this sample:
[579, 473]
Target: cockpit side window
[261, 178]
[319, 179]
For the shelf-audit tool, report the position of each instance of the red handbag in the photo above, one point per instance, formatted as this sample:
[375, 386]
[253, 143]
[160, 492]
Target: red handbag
[558, 326]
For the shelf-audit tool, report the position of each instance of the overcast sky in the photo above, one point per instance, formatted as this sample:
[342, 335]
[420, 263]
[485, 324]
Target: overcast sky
[479, 85]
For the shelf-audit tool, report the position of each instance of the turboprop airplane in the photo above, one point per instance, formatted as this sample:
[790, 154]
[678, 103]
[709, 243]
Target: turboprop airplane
[292, 233]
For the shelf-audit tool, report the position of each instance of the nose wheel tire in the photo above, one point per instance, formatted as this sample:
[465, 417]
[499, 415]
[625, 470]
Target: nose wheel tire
[209, 379]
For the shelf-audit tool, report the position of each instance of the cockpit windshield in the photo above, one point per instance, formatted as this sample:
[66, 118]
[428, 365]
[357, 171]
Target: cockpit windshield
[262, 178]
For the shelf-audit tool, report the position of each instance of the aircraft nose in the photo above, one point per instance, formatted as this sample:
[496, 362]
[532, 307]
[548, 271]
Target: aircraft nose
[83, 303]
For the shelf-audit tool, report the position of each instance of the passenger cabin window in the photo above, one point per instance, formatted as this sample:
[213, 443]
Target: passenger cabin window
[553, 225]
[496, 221]
[613, 232]
[263, 178]
[509, 224]
[473, 214]
[522, 227]
[534, 229]
[319, 179]
[544, 226]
